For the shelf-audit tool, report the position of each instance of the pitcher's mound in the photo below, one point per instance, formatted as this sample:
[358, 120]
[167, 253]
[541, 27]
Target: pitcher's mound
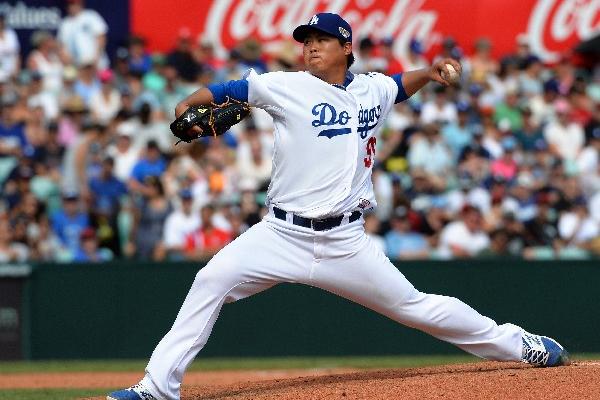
[486, 380]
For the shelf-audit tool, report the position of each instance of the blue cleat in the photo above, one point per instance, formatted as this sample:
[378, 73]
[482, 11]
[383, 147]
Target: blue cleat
[543, 351]
[136, 392]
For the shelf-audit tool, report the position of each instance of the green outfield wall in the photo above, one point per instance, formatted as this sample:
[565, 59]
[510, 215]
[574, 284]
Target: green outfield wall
[121, 310]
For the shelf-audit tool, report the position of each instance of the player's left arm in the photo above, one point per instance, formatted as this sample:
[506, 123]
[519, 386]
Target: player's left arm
[413, 81]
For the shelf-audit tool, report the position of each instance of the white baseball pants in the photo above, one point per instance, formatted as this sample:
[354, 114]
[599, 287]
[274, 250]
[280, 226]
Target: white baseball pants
[343, 261]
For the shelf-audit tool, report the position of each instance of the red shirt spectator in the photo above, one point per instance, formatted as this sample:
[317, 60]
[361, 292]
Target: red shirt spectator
[208, 239]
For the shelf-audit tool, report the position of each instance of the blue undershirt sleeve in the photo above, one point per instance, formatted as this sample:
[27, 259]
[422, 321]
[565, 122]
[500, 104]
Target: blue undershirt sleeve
[234, 89]
[401, 92]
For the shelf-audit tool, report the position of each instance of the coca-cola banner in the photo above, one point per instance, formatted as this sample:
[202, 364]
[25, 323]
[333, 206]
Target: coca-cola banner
[551, 26]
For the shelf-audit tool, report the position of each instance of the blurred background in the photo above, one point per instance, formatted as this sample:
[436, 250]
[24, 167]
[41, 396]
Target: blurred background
[503, 165]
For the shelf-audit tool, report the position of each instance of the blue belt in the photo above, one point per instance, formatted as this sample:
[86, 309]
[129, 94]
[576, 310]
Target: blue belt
[316, 224]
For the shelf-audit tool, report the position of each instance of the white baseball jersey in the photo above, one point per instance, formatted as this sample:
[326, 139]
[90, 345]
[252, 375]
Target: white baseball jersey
[325, 139]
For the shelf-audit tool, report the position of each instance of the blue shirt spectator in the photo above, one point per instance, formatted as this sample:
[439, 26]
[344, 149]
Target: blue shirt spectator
[107, 189]
[151, 165]
[401, 242]
[69, 222]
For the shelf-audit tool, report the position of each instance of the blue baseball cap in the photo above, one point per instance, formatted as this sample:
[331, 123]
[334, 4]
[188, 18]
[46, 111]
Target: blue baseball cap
[329, 23]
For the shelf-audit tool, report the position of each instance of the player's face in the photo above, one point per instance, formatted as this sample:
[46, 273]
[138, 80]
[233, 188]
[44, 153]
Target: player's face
[323, 52]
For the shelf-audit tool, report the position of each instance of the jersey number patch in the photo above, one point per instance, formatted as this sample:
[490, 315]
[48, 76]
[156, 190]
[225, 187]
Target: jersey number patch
[370, 152]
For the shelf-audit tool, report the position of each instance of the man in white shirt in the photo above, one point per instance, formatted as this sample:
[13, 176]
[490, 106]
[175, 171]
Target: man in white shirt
[82, 34]
[10, 58]
[464, 238]
[179, 224]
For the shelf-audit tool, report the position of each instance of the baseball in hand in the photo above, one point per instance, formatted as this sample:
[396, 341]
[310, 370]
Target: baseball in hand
[452, 76]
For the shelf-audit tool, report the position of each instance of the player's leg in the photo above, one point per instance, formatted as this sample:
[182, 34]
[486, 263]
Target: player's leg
[257, 260]
[367, 277]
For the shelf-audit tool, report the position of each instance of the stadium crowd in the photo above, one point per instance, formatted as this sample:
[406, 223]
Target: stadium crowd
[504, 164]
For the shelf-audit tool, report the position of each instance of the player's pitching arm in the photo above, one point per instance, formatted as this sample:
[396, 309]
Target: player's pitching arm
[415, 80]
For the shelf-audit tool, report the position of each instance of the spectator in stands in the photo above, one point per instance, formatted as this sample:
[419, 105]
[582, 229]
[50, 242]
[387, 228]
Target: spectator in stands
[107, 190]
[482, 64]
[510, 111]
[139, 60]
[401, 242]
[106, 102]
[498, 246]
[458, 134]
[45, 59]
[10, 51]
[13, 142]
[69, 222]
[11, 250]
[179, 224]
[82, 35]
[530, 83]
[124, 154]
[150, 220]
[576, 227]
[565, 138]
[182, 58]
[89, 251]
[38, 97]
[87, 84]
[464, 238]
[440, 109]
[415, 59]
[151, 164]
[208, 239]
[429, 153]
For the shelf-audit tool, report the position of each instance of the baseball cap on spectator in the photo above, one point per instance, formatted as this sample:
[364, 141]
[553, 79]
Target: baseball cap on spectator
[105, 76]
[462, 106]
[530, 60]
[456, 53]
[186, 194]
[475, 89]
[551, 85]
[449, 43]
[540, 145]
[74, 105]
[70, 195]
[70, 73]
[415, 46]
[122, 54]
[509, 143]
[152, 144]
[87, 234]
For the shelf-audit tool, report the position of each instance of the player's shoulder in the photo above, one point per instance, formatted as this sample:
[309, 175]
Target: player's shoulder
[371, 76]
[374, 80]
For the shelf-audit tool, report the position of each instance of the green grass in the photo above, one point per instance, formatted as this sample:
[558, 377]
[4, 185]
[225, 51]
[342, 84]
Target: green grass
[49, 394]
[218, 364]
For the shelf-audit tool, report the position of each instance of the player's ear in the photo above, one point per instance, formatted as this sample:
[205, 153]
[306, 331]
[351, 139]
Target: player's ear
[347, 48]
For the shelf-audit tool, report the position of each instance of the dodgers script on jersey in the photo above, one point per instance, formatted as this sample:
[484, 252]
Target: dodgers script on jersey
[325, 139]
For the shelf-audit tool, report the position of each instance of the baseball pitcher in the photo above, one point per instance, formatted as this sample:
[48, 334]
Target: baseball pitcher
[327, 122]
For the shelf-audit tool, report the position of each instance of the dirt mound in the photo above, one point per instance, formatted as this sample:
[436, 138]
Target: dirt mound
[486, 380]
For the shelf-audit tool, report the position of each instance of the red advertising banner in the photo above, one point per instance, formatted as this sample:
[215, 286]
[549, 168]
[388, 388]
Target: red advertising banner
[551, 26]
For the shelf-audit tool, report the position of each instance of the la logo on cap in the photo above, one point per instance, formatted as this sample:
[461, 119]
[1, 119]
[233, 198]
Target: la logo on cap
[314, 20]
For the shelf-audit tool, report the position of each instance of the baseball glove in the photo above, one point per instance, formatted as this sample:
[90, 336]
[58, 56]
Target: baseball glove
[215, 119]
